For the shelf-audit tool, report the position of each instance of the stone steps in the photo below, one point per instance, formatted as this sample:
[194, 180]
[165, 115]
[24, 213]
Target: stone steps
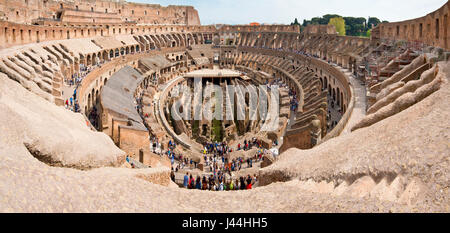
[399, 189]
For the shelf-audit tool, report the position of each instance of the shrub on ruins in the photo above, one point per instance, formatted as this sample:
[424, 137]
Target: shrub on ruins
[339, 24]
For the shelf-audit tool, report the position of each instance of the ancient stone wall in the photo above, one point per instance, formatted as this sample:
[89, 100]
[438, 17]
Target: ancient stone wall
[260, 28]
[18, 34]
[432, 29]
[97, 11]
[320, 29]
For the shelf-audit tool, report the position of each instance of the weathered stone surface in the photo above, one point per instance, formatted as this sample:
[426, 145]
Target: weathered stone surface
[52, 134]
[267, 161]
[413, 143]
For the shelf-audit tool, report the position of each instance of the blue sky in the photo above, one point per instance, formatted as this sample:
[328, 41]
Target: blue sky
[284, 11]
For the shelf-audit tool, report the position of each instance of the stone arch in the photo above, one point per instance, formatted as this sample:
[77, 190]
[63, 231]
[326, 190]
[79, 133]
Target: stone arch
[105, 55]
[82, 59]
[94, 58]
[88, 102]
[88, 60]
[97, 96]
[338, 93]
[93, 98]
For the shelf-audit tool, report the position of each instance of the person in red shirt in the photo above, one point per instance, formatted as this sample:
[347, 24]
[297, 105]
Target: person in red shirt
[249, 182]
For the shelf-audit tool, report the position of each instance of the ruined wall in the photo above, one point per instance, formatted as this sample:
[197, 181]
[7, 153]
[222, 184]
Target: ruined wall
[100, 11]
[432, 29]
[132, 140]
[320, 29]
[18, 34]
[260, 28]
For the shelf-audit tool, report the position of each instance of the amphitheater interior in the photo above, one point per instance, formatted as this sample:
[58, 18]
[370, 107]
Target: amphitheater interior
[360, 124]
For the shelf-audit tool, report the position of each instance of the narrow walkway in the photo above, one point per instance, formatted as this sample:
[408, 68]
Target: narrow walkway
[67, 91]
[359, 109]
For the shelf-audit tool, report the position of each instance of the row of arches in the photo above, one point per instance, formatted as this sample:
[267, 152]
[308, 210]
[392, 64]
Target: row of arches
[154, 41]
[106, 55]
[16, 34]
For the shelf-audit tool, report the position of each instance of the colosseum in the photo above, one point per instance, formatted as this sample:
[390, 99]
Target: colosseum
[113, 106]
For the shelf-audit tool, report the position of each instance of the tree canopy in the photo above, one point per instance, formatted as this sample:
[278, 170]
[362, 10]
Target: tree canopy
[339, 24]
[295, 22]
[353, 26]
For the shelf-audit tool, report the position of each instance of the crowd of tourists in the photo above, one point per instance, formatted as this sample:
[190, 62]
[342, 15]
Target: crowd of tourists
[218, 163]
[221, 183]
[72, 104]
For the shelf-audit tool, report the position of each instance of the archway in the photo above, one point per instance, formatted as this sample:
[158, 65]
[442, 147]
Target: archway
[94, 58]
[89, 103]
[88, 60]
[338, 91]
[105, 56]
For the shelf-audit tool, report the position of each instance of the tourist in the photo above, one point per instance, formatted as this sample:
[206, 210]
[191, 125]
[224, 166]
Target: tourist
[172, 175]
[211, 182]
[191, 182]
[242, 182]
[198, 183]
[249, 182]
[186, 180]
[204, 183]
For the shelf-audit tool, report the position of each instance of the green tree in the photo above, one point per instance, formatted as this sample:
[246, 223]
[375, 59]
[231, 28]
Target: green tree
[305, 23]
[326, 18]
[373, 22]
[316, 20]
[296, 22]
[355, 26]
[339, 24]
[369, 33]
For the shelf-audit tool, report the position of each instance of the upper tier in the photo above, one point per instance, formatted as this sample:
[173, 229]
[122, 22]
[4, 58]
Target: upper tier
[431, 29]
[95, 11]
